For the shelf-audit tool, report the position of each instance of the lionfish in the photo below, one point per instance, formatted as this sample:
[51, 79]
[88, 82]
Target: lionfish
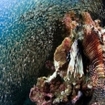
[94, 51]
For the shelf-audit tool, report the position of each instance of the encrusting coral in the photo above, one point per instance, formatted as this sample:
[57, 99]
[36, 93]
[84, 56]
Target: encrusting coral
[71, 81]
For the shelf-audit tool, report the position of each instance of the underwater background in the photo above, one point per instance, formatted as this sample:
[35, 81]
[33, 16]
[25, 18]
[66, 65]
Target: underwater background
[30, 30]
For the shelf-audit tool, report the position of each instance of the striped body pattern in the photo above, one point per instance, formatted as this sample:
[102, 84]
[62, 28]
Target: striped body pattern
[94, 51]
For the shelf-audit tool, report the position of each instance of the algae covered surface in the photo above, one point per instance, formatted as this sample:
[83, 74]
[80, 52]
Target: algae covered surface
[28, 35]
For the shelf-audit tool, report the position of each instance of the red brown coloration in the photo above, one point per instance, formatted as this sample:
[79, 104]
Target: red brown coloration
[92, 45]
[87, 18]
[62, 50]
[93, 50]
[67, 20]
[70, 21]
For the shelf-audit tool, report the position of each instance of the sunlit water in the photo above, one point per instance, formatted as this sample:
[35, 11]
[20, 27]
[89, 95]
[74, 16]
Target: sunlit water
[11, 10]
